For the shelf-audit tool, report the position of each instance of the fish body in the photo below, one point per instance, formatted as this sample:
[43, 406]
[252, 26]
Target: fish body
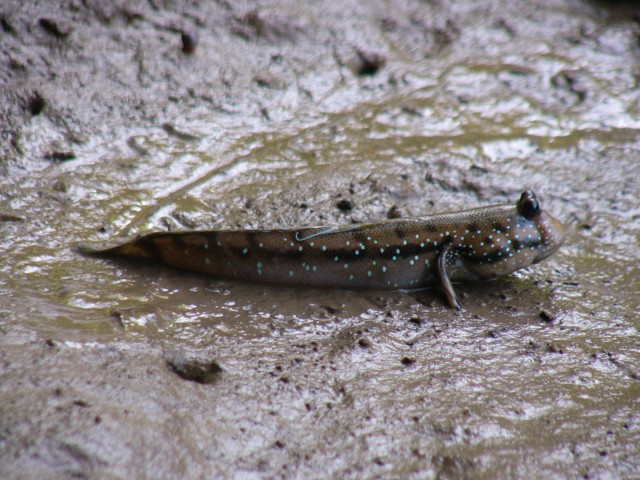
[411, 253]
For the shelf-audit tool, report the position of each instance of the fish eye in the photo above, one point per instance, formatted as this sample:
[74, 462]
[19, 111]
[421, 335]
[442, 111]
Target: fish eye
[528, 205]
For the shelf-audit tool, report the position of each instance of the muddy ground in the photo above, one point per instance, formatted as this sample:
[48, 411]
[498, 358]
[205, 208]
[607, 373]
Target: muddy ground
[123, 118]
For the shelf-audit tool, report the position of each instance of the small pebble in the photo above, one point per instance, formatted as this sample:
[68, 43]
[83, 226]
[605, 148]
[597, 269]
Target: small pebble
[192, 369]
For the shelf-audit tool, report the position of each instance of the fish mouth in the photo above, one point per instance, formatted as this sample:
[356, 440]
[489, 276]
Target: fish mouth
[553, 233]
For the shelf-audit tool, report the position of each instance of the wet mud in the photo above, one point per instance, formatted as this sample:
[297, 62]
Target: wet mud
[118, 120]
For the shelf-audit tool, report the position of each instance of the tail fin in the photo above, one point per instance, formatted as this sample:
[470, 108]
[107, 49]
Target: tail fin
[132, 248]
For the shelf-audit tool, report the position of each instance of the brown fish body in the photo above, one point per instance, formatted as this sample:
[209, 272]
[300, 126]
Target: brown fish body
[406, 253]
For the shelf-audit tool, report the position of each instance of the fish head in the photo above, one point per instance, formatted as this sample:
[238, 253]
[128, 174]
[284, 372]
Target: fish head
[508, 238]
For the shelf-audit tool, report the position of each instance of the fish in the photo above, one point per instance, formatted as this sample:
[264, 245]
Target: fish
[406, 253]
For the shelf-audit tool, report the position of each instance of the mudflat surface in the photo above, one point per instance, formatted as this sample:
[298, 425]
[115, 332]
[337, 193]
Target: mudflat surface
[293, 113]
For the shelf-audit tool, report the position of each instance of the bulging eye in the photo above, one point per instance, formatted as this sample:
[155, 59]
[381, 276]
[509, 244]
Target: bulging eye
[528, 205]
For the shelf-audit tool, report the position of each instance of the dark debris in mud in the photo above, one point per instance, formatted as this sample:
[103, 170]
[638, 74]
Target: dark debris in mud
[367, 63]
[189, 42]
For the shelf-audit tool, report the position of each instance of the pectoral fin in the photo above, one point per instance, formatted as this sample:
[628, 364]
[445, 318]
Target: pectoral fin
[445, 283]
